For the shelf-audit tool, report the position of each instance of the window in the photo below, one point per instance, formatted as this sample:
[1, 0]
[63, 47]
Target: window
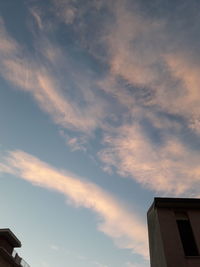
[186, 235]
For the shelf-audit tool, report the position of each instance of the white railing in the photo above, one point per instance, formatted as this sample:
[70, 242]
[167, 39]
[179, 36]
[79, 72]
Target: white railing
[24, 264]
[14, 253]
[19, 260]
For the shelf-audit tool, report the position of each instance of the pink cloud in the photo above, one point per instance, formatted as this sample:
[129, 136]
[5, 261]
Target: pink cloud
[171, 168]
[124, 227]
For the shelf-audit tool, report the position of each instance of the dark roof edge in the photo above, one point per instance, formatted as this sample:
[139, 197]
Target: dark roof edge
[9, 235]
[161, 202]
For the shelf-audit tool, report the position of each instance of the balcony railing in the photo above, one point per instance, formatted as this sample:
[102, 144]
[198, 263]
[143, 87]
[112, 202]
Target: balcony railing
[19, 260]
[24, 264]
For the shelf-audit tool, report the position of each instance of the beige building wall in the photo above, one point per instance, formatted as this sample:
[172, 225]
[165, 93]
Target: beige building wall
[165, 243]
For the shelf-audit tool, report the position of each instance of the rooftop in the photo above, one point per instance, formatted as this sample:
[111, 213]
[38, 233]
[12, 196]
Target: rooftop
[7, 234]
[161, 202]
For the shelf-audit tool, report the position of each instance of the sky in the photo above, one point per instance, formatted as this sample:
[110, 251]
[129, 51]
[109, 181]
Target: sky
[99, 114]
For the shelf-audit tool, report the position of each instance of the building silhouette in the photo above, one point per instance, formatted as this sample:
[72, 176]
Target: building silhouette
[174, 232]
[8, 256]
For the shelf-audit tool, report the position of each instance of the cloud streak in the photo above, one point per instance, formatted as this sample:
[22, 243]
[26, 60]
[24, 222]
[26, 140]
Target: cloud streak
[32, 75]
[171, 167]
[155, 79]
[125, 228]
[149, 77]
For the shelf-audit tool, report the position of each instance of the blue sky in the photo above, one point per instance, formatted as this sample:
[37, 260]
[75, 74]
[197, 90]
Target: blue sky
[99, 112]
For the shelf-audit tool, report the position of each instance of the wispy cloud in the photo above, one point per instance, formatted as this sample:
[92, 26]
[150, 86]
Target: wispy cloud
[154, 60]
[127, 39]
[66, 10]
[170, 167]
[154, 78]
[131, 264]
[76, 255]
[36, 13]
[32, 75]
[126, 229]
[8, 45]
[186, 70]
[148, 76]
[54, 247]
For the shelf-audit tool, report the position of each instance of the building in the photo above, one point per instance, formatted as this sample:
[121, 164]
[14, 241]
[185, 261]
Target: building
[8, 256]
[174, 232]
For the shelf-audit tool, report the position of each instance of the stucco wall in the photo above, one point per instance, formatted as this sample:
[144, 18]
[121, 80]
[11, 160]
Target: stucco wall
[155, 243]
[166, 249]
